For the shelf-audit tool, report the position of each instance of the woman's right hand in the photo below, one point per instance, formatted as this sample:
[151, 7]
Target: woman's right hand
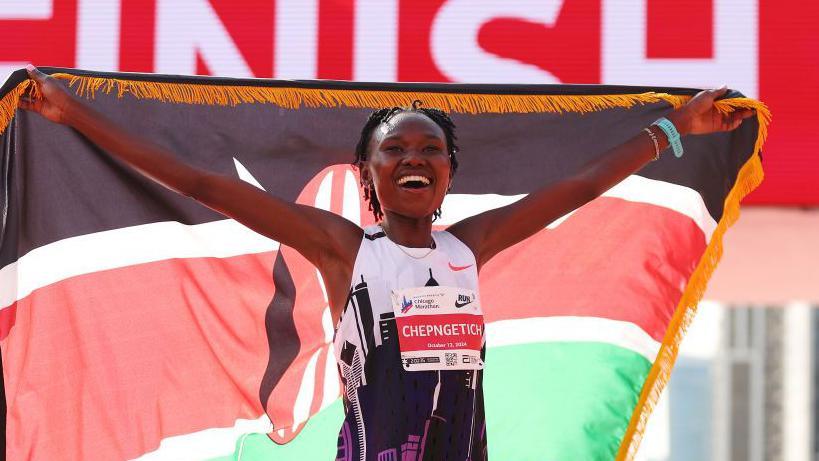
[54, 99]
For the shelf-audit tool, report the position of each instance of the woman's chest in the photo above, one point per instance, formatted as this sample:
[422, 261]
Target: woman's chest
[425, 313]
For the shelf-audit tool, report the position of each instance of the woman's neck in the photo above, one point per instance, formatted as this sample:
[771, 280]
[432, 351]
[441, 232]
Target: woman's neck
[408, 232]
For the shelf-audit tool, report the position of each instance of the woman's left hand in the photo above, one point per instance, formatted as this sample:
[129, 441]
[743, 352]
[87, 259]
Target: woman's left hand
[699, 116]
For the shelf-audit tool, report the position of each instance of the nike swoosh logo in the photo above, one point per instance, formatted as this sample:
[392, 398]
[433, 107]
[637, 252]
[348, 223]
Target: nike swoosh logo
[459, 268]
[459, 304]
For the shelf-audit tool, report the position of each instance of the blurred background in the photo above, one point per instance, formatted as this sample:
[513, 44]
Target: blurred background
[745, 385]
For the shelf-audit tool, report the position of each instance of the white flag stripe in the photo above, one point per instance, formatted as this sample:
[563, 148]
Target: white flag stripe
[304, 397]
[245, 175]
[207, 443]
[681, 199]
[166, 240]
[461, 206]
[123, 247]
[619, 333]
[221, 442]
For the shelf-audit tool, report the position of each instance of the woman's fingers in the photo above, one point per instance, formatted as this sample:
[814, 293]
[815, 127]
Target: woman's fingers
[35, 74]
[717, 93]
[28, 103]
[734, 119]
[734, 122]
[703, 101]
[706, 117]
[712, 94]
[35, 106]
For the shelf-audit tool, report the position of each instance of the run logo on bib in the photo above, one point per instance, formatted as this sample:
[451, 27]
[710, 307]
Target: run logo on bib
[439, 328]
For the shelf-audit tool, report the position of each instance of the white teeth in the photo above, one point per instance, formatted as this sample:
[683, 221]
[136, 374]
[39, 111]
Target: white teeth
[405, 179]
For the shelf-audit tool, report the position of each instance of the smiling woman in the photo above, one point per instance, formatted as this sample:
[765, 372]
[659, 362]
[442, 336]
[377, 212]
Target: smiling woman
[432, 132]
[410, 336]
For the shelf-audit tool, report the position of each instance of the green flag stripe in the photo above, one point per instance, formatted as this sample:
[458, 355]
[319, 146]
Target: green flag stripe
[575, 403]
[317, 441]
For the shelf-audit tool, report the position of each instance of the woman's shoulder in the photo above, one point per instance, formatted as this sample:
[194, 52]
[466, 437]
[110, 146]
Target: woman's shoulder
[451, 244]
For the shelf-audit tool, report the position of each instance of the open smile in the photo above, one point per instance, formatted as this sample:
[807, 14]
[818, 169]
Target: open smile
[414, 182]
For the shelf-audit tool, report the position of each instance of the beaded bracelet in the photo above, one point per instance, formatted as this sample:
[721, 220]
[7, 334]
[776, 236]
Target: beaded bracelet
[672, 134]
[655, 141]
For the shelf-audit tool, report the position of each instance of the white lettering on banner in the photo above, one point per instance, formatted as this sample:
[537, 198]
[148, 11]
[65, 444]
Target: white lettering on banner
[26, 9]
[98, 34]
[447, 329]
[296, 43]
[455, 48]
[6, 69]
[375, 48]
[735, 47]
[185, 28]
[22, 9]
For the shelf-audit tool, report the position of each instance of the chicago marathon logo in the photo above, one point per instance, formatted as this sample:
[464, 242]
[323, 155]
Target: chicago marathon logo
[406, 305]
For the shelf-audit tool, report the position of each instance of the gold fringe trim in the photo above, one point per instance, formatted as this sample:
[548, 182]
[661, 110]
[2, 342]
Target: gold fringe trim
[9, 102]
[293, 98]
[749, 177]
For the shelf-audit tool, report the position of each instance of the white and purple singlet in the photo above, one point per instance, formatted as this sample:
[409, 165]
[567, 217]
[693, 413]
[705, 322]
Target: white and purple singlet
[410, 349]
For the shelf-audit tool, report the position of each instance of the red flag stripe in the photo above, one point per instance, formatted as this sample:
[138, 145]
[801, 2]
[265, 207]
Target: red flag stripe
[601, 262]
[123, 247]
[155, 352]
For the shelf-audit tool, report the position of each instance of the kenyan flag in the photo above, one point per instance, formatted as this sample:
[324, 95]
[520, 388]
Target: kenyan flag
[138, 324]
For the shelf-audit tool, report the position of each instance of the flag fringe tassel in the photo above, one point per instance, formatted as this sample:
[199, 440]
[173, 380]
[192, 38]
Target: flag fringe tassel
[8, 104]
[749, 177]
[293, 98]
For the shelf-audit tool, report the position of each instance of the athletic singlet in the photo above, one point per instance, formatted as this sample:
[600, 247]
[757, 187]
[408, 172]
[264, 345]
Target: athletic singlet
[407, 313]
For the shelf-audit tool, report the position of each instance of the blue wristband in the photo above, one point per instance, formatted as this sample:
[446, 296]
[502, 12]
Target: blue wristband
[672, 134]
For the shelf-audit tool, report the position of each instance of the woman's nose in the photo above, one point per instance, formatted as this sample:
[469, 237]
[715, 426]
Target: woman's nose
[413, 157]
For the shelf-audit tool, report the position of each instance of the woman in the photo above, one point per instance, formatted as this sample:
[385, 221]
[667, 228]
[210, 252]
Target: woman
[409, 336]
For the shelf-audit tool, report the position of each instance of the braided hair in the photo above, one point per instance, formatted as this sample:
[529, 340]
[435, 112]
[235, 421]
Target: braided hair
[384, 115]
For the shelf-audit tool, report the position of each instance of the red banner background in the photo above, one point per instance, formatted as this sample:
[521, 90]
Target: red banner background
[570, 41]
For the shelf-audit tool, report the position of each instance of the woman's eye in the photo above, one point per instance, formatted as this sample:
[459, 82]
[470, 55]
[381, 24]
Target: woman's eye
[393, 149]
[432, 149]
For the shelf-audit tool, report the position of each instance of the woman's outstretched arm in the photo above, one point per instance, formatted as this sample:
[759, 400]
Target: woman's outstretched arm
[493, 231]
[322, 237]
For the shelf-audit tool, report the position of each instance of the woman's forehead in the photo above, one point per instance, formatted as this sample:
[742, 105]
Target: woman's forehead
[406, 122]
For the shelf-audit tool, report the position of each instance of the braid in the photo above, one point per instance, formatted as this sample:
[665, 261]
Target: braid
[384, 115]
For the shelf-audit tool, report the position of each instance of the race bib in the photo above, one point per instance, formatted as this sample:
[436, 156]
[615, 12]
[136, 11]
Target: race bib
[439, 328]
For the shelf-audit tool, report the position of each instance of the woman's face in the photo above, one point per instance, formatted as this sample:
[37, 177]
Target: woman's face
[409, 165]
